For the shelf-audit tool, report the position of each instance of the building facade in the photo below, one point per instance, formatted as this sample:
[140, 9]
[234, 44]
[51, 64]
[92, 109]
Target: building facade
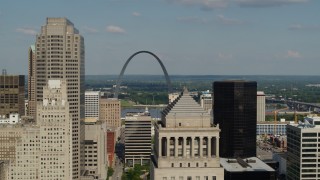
[96, 164]
[12, 119]
[261, 106]
[137, 138]
[186, 143]
[110, 112]
[11, 94]
[92, 104]
[111, 143]
[206, 100]
[303, 151]
[9, 135]
[55, 122]
[265, 128]
[31, 81]
[59, 54]
[27, 163]
[235, 110]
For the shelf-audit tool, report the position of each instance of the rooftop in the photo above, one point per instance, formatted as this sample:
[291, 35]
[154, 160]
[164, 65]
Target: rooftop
[243, 165]
[184, 104]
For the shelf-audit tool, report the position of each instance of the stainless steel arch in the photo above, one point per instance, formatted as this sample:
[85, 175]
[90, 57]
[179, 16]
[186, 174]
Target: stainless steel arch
[126, 64]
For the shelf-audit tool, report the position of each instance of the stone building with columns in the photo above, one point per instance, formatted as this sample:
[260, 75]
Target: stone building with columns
[186, 143]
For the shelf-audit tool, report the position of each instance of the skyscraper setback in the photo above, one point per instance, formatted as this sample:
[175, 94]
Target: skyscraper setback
[59, 54]
[235, 110]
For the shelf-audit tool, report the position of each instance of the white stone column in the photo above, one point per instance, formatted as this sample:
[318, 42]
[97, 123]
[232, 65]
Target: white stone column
[168, 146]
[209, 147]
[192, 147]
[200, 146]
[160, 147]
[176, 145]
[217, 147]
[184, 147]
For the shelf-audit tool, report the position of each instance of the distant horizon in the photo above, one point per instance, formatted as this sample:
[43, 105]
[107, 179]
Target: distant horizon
[189, 75]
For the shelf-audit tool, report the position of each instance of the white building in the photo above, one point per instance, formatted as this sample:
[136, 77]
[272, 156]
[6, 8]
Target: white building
[303, 151]
[206, 100]
[13, 119]
[269, 127]
[137, 138]
[261, 106]
[96, 151]
[92, 103]
[186, 144]
[43, 151]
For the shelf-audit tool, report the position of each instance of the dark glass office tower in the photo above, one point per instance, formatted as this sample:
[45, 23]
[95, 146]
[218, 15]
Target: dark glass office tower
[235, 110]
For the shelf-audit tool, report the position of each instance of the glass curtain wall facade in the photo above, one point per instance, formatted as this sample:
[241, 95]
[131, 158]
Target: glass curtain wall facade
[235, 110]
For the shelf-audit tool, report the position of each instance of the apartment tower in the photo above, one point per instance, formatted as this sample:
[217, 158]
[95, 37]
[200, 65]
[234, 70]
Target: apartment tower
[235, 110]
[59, 54]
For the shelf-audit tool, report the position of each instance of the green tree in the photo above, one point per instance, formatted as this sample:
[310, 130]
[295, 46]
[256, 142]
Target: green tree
[110, 172]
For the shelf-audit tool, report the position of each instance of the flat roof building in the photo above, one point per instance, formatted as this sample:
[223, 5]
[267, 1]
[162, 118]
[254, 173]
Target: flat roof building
[137, 138]
[249, 169]
[11, 94]
[303, 151]
[92, 104]
[235, 110]
[110, 112]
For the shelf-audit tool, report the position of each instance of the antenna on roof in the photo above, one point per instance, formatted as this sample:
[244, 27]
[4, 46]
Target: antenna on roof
[4, 72]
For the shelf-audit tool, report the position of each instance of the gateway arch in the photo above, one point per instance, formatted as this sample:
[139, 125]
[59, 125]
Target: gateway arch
[126, 64]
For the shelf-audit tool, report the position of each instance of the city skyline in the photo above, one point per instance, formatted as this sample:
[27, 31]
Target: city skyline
[217, 37]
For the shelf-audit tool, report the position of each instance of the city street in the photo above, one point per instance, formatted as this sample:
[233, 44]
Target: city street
[118, 169]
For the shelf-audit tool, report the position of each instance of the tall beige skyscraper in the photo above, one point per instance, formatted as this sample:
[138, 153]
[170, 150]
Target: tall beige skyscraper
[54, 120]
[31, 82]
[59, 54]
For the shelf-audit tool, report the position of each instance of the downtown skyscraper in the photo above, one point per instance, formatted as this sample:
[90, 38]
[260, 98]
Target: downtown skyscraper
[235, 110]
[58, 54]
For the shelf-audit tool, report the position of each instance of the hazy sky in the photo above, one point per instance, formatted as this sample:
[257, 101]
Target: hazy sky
[196, 37]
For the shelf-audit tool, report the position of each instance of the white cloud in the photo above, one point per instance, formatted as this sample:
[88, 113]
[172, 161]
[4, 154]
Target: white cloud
[296, 27]
[90, 30]
[192, 20]
[203, 4]
[27, 31]
[293, 54]
[267, 3]
[224, 56]
[136, 14]
[215, 4]
[229, 21]
[115, 29]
